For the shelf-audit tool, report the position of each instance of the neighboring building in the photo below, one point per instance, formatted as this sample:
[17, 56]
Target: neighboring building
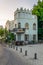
[26, 27]
[9, 25]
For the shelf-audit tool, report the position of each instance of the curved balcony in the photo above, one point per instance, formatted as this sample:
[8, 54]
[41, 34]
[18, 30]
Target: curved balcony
[19, 30]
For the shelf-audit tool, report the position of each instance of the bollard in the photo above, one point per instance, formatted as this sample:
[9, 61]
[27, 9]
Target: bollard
[26, 53]
[35, 56]
[16, 48]
[11, 46]
[21, 50]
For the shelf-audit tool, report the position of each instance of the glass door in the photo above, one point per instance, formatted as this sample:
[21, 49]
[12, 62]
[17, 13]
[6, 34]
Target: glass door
[19, 37]
[26, 37]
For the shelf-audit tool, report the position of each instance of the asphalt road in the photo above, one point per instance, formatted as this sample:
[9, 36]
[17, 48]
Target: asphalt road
[9, 57]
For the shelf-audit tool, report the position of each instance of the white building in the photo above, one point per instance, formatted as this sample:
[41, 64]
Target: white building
[26, 27]
[9, 25]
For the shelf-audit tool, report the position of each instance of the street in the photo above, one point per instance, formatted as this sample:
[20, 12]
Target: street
[7, 57]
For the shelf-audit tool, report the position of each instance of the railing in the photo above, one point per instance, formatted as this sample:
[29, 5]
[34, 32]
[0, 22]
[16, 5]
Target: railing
[18, 30]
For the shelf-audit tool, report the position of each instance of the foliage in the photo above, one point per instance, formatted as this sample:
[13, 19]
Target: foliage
[6, 35]
[1, 32]
[10, 37]
[38, 10]
[6, 32]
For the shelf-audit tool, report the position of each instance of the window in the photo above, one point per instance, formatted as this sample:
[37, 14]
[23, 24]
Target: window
[15, 26]
[34, 37]
[27, 26]
[26, 37]
[14, 37]
[19, 14]
[19, 37]
[34, 26]
[19, 25]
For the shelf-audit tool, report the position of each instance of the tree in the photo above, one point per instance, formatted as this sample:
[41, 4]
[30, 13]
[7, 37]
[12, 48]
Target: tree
[1, 32]
[6, 32]
[38, 10]
[6, 35]
[11, 35]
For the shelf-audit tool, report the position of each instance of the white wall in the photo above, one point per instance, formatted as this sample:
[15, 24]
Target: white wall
[30, 19]
[22, 37]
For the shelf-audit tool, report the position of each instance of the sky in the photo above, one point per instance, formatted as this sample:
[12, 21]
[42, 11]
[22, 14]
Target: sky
[7, 8]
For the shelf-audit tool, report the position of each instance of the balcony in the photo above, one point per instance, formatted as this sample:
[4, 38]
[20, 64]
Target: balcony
[19, 30]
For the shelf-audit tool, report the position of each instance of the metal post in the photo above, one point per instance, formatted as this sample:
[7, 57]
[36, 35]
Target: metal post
[13, 46]
[21, 50]
[35, 56]
[26, 53]
[16, 48]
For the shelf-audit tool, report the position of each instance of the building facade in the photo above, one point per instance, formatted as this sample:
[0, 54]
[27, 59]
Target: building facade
[9, 25]
[25, 25]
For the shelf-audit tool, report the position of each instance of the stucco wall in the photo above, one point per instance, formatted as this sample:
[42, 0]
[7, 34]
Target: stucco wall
[26, 17]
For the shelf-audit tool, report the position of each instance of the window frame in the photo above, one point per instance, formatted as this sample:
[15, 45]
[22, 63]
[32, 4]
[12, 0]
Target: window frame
[19, 25]
[26, 25]
[34, 26]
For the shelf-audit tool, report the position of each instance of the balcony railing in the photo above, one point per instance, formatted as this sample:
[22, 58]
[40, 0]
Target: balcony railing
[19, 30]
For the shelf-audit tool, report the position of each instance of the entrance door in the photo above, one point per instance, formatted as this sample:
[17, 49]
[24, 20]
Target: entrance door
[19, 37]
[26, 37]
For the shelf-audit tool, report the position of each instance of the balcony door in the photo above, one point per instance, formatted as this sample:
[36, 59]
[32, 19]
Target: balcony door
[19, 37]
[26, 37]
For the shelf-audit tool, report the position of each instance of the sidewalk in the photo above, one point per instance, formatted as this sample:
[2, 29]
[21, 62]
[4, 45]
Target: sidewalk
[1, 50]
[31, 50]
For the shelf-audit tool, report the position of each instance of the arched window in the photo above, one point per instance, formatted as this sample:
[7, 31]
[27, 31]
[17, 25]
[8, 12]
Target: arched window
[26, 25]
[19, 25]
[34, 26]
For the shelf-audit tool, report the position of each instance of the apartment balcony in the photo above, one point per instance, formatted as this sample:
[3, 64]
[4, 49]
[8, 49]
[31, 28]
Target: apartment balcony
[19, 30]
